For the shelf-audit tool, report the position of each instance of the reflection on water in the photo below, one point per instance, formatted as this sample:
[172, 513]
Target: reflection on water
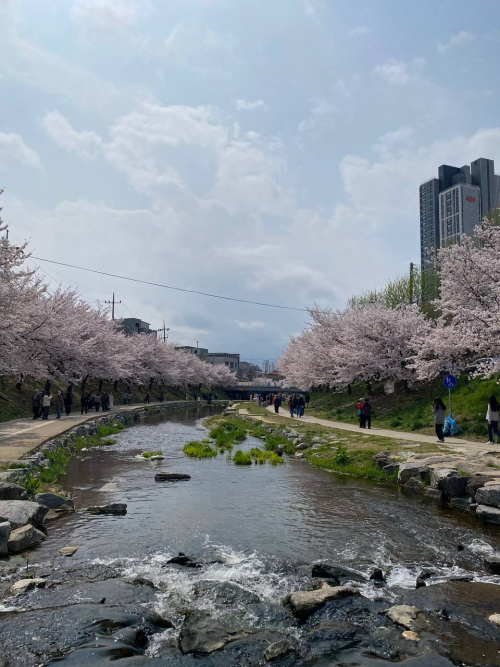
[290, 511]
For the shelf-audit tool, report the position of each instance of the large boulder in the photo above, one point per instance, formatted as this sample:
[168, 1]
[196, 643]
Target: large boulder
[326, 571]
[24, 538]
[52, 501]
[409, 470]
[10, 491]
[201, 634]
[475, 483]
[5, 531]
[382, 459]
[489, 495]
[435, 494]
[21, 512]
[439, 474]
[304, 603]
[489, 514]
[413, 485]
[24, 585]
[453, 487]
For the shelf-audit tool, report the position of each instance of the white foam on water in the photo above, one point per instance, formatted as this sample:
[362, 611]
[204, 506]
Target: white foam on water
[480, 547]
[4, 608]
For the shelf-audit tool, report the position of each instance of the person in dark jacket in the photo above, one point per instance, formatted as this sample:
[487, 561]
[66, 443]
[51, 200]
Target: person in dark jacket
[59, 404]
[307, 398]
[37, 404]
[366, 413]
[97, 401]
[292, 404]
[277, 403]
[84, 403]
[146, 398]
[439, 411]
[105, 402]
[301, 404]
[68, 403]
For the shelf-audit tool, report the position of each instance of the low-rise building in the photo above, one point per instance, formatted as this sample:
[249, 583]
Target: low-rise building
[232, 361]
[133, 325]
[200, 352]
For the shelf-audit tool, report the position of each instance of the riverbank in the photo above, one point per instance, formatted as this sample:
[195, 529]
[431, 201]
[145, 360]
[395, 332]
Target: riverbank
[288, 563]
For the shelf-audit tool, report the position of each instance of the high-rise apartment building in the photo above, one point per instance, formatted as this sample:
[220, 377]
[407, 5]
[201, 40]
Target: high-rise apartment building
[454, 203]
[269, 366]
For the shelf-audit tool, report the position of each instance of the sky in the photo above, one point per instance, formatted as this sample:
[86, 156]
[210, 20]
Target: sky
[266, 151]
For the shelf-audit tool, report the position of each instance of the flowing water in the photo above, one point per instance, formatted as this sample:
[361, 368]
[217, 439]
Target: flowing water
[258, 529]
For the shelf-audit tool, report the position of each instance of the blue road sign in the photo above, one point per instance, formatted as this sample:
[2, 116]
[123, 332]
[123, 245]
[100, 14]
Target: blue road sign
[449, 381]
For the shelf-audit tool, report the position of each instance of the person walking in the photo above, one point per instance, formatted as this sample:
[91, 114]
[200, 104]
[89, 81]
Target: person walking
[492, 415]
[307, 398]
[68, 403]
[130, 397]
[36, 403]
[125, 397]
[105, 402]
[277, 403]
[292, 405]
[301, 404]
[146, 398]
[111, 401]
[439, 410]
[84, 403]
[366, 413]
[46, 405]
[97, 401]
[359, 408]
[59, 404]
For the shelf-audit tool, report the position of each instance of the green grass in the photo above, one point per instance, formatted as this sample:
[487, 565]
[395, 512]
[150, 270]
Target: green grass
[199, 450]
[105, 430]
[226, 433]
[261, 456]
[357, 463]
[411, 411]
[242, 458]
[148, 455]
[273, 441]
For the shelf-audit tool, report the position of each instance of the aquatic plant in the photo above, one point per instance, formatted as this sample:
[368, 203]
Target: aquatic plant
[148, 455]
[226, 434]
[199, 450]
[261, 456]
[242, 458]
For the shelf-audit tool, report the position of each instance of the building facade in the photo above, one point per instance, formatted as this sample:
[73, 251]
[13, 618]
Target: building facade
[454, 203]
[232, 361]
[200, 352]
[269, 366]
[132, 325]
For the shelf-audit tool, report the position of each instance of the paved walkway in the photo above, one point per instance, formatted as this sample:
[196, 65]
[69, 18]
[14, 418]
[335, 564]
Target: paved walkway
[20, 436]
[455, 444]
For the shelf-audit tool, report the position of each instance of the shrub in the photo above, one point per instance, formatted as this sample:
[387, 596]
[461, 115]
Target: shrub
[242, 458]
[199, 450]
[341, 456]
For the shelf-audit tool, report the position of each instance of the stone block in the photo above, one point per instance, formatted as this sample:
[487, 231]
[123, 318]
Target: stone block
[489, 495]
[21, 512]
[9, 491]
[488, 514]
[52, 501]
[24, 538]
[435, 494]
[5, 530]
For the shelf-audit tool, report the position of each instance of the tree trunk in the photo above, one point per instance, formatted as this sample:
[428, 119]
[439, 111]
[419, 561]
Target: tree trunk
[368, 388]
[406, 388]
[349, 390]
[70, 388]
[47, 385]
[83, 384]
[151, 382]
[115, 386]
[100, 386]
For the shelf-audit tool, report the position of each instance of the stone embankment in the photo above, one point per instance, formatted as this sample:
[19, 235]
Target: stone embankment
[22, 521]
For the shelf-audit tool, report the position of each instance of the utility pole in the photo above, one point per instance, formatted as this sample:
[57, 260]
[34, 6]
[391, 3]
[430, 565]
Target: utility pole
[165, 332]
[113, 308]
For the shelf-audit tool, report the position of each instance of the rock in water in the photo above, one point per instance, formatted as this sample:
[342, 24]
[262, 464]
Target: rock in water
[413, 485]
[112, 508]
[489, 514]
[24, 538]
[171, 477]
[402, 614]
[410, 636]
[492, 564]
[52, 501]
[325, 571]
[494, 618]
[21, 512]
[183, 560]
[278, 650]
[68, 551]
[25, 585]
[202, 635]
[10, 491]
[377, 575]
[304, 603]
[5, 531]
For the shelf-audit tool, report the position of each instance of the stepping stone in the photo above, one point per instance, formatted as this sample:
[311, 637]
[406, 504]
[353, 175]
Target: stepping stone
[171, 477]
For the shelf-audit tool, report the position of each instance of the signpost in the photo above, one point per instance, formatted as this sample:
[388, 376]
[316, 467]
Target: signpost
[450, 382]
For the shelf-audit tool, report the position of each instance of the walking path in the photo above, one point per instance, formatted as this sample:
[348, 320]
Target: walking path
[20, 436]
[454, 444]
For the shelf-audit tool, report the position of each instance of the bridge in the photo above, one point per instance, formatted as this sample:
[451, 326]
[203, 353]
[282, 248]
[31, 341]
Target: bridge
[243, 391]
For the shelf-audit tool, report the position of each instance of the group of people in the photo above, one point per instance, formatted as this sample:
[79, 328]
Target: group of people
[96, 401]
[364, 409]
[42, 401]
[296, 404]
[492, 418]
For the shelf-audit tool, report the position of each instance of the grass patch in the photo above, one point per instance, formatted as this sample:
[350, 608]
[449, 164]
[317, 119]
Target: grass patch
[148, 455]
[226, 433]
[261, 456]
[199, 450]
[273, 441]
[105, 430]
[357, 463]
[241, 458]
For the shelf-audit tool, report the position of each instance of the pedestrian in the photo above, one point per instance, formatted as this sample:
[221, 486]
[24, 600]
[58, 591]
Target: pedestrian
[301, 404]
[111, 401]
[37, 404]
[439, 409]
[68, 403]
[130, 397]
[366, 412]
[277, 403]
[97, 401]
[492, 415]
[125, 397]
[59, 404]
[105, 402]
[146, 398]
[307, 398]
[46, 404]
[162, 397]
[84, 403]
[359, 406]
[291, 405]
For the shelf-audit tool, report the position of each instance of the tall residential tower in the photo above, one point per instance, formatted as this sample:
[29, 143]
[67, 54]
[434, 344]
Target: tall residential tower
[454, 203]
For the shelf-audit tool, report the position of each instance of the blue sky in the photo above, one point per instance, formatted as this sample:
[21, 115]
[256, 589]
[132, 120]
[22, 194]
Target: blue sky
[270, 151]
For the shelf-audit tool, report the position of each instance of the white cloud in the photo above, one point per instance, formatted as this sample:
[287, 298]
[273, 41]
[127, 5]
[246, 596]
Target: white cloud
[13, 148]
[359, 31]
[109, 14]
[461, 38]
[394, 71]
[85, 144]
[396, 139]
[244, 105]
[320, 108]
[249, 326]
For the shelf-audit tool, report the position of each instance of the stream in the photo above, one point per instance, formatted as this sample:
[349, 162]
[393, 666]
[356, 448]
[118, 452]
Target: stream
[255, 531]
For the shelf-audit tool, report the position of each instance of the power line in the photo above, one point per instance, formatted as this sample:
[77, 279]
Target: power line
[177, 289]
